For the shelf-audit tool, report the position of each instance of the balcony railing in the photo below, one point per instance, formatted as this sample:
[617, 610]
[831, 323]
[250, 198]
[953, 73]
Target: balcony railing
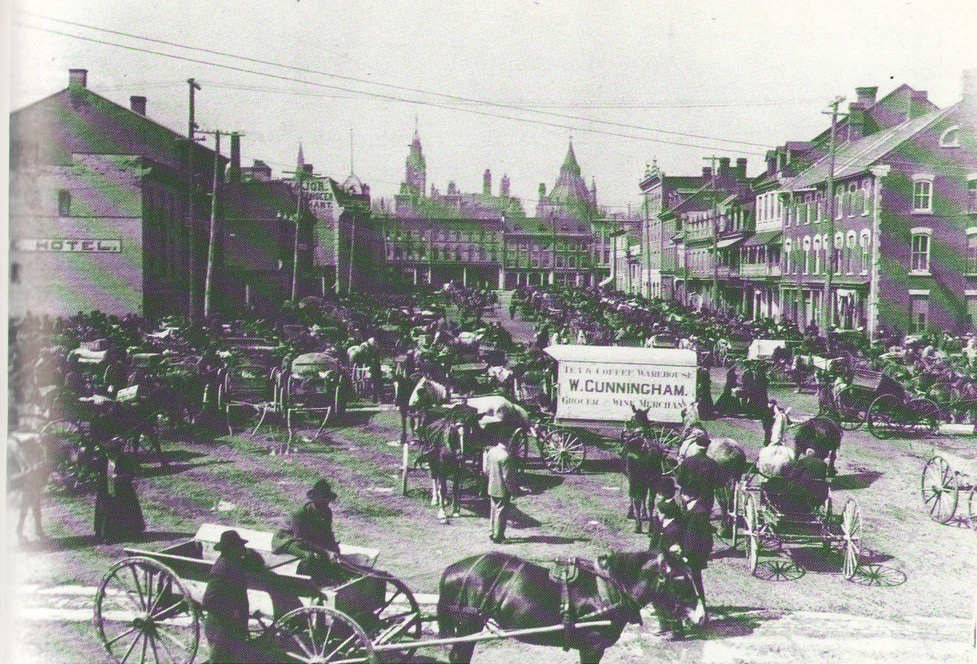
[760, 270]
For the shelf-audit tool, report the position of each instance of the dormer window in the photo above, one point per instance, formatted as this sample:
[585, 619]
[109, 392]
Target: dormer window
[950, 138]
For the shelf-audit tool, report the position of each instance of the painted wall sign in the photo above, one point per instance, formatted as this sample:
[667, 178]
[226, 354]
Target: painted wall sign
[603, 382]
[69, 245]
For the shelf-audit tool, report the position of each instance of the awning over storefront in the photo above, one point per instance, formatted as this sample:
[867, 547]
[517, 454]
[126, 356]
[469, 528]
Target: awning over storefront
[766, 237]
[729, 241]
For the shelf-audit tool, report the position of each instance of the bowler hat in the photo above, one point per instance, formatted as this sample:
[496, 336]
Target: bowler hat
[230, 539]
[321, 491]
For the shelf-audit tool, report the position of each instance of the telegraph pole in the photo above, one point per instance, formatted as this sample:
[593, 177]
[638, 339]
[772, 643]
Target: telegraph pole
[828, 300]
[301, 177]
[191, 187]
[193, 126]
[213, 234]
[715, 235]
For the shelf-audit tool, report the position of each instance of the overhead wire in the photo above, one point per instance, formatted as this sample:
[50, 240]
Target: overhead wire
[457, 98]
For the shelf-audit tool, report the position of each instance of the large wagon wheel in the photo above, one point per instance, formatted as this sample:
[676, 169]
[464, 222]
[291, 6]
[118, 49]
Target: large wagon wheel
[65, 446]
[519, 442]
[939, 489]
[321, 635]
[752, 533]
[735, 513]
[851, 531]
[926, 414]
[144, 613]
[563, 451]
[851, 408]
[972, 507]
[396, 618]
[885, 417]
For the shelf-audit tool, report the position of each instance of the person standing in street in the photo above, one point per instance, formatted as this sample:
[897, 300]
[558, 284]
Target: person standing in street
[497, 465]
[225, 601]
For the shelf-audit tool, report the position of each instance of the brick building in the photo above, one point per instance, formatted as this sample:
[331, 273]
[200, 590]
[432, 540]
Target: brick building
[109, 209]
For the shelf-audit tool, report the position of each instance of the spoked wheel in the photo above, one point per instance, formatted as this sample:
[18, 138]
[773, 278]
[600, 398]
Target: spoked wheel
[851, 530]
[321, 635]
[66, 447]
[735, 513]
[851, 408]
[144, 614]
[563, 451]
[926, 416]
[397, 617]
[885, 417]
[939, 489]
[752, 533]
[519, 442]
[972, 507]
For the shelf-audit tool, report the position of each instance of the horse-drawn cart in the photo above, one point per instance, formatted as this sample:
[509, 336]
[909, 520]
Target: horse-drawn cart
[148, 605]
[948, 485]
[773, 513]
[313, 384]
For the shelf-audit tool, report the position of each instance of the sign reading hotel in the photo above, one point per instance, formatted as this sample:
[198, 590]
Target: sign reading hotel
[69, 245]
[603, 382]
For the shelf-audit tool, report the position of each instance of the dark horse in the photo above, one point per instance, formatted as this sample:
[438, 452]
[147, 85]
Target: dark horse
[642, 466]
[516, 594]
[823, 436]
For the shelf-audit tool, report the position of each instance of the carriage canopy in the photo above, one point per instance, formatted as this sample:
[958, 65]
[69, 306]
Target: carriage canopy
[603, 382]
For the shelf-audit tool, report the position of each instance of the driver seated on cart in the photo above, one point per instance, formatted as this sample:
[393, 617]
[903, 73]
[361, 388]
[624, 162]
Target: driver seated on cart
[800, 487]
[308, 535]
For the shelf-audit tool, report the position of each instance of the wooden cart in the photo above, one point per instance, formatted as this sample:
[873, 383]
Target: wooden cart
[147, 606]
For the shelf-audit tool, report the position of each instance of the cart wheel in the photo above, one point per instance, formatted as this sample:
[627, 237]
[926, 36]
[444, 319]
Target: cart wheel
[519, 443]
[320, 634]
[752, 533]
[65, 446]
[144, 613]
[885, 417]
[398, 617]
[851, 530]
[735, 513]
[668, 439]
[926, 415]
[939, 489]
[851, 410]
[563, 451]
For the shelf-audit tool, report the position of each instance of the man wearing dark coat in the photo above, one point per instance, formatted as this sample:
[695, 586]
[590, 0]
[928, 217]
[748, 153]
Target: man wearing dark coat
[703, 393]
[225, 601]
[698, 477]
[308, 535]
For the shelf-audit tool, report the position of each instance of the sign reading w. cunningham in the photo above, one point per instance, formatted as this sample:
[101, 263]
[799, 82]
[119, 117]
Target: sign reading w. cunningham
[603, 382]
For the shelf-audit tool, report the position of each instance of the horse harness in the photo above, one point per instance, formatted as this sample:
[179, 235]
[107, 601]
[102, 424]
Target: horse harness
[613, 597]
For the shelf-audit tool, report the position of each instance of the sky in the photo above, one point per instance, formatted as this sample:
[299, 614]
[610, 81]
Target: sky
[502, 85]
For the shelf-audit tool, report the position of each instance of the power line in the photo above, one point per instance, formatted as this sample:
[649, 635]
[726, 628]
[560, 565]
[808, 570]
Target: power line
[380, 84]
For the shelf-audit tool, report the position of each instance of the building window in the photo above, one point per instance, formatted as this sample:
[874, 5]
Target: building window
[950, 138]
[850, 244]
[64, 203]
[919, 313]
[923, 193]
[920, 251]
[15, 273]
[817, 254]
[865, 242]
[788, 258]
[972, 193]
[866, 199]
[839, 203]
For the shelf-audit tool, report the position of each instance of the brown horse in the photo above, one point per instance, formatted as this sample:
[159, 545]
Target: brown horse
[516, 594]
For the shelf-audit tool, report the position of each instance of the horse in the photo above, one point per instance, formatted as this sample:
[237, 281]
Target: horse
[642, 465]
[820, 434]
[517, 594]
[730, 458]
[28, 469]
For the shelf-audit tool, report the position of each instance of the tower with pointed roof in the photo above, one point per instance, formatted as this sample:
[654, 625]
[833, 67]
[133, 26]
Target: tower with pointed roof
[570, 200]
[415, 169]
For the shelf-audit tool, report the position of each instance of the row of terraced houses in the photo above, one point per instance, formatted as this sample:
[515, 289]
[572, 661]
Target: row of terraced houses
[110, 210]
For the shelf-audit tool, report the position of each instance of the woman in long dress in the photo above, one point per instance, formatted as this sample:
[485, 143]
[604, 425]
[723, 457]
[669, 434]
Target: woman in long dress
[118, 516]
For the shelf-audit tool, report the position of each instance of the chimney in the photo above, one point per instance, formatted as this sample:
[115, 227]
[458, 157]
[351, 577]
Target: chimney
[138, 104]
[504, 187]
[487, 183]
[234, 170]
[77, 78]
[741, 167]
[542, 190]
[969, 95]
[866, 96]
[917, 104]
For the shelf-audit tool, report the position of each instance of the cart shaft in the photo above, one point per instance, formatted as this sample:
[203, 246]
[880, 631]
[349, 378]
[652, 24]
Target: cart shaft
[403, 645]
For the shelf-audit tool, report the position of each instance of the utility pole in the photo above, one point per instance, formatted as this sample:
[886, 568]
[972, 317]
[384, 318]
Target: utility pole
[715, 234]
[827, 303]
[191, 188]
[300, 180]
[210, 279]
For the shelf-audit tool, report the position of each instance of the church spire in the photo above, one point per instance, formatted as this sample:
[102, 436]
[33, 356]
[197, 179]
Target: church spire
[570, 165]
[300, 162]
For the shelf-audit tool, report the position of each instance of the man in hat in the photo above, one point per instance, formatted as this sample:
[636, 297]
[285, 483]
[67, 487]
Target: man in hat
[497, 464]
[225, 601]
[308, 534]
